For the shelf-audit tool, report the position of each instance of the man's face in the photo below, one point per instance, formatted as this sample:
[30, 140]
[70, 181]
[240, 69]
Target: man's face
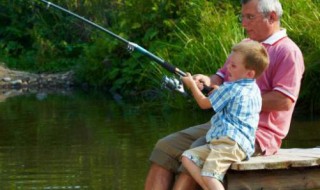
[256, 24]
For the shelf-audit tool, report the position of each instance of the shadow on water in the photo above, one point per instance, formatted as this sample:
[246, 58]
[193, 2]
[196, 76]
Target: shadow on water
[77, 140]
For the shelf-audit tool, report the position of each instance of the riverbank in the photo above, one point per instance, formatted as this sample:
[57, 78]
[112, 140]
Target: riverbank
[14, 82]
[12, 79]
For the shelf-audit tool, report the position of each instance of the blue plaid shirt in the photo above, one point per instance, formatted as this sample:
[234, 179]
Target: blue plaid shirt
[237, 105]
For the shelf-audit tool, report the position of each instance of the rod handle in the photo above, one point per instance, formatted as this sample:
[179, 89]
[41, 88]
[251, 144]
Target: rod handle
[206, 89]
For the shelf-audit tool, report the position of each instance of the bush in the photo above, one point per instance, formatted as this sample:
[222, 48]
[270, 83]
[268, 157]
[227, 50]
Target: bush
[196, 36]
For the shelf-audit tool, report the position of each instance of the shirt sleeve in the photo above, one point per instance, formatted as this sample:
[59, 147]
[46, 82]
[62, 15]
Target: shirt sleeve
[222, 72]
[220, 97]
[287, 71]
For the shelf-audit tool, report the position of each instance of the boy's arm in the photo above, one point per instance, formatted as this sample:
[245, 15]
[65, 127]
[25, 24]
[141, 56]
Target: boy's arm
[201, 99]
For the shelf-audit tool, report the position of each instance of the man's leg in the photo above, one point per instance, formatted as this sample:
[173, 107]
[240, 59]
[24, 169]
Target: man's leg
[165, 156]
[185, 181]
[159, 178]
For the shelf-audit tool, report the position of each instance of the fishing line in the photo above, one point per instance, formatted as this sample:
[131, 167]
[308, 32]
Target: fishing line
[169, 83]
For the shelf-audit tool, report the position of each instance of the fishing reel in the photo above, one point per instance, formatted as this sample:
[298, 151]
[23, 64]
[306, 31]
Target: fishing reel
[173, 84]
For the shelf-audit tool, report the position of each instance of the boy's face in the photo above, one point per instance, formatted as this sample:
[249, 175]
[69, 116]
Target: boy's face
[236, 68]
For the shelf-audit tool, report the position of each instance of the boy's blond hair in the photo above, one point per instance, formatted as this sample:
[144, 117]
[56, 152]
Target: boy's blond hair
[255, 56]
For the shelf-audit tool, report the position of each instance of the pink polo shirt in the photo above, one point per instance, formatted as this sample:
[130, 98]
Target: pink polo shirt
[284, 75]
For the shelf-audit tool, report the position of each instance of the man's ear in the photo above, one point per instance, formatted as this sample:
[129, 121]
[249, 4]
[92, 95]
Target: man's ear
[273, 17]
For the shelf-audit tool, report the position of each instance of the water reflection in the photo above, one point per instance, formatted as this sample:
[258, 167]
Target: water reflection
[79, 140]
[304, 133]
[76, 140]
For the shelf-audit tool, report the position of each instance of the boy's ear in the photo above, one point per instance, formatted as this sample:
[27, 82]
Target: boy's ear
[251, 74]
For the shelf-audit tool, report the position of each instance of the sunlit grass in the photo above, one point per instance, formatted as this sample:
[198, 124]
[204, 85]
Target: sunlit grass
[204, 39]
[302, 20]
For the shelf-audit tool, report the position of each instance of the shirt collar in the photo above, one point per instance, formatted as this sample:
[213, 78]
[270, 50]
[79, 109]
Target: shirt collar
[244, 81]
[276, 37]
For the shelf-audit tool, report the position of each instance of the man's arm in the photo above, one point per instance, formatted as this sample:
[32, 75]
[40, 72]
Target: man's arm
[215, 80]
[276, 101]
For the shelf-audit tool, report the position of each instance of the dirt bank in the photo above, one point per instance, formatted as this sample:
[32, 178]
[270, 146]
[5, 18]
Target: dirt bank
[12, 79]
[14, 82]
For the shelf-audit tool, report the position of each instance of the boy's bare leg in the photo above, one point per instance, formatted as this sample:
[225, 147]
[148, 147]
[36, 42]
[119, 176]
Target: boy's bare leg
[194, 171]
[159, 178]
[213, 183]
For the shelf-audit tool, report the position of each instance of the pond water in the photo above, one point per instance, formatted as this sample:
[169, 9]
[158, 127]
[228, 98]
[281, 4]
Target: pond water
[82, 140]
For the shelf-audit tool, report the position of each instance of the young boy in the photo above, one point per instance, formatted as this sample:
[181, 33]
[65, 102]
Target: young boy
[237, 104]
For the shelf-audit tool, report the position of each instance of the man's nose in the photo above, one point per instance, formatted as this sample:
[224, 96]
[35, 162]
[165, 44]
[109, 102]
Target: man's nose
[244, 23]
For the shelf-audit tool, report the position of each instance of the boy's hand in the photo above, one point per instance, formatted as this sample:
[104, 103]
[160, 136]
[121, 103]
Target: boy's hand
[188, 81]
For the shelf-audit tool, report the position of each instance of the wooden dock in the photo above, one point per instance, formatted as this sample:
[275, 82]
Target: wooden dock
[288, 169]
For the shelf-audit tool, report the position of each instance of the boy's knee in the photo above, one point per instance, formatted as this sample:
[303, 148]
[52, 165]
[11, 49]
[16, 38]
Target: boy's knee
[184, 160]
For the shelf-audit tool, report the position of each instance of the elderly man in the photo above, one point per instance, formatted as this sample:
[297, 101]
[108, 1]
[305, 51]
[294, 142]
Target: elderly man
[279, 85]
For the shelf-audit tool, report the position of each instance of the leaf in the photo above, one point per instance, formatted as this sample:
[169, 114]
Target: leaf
[136, 25]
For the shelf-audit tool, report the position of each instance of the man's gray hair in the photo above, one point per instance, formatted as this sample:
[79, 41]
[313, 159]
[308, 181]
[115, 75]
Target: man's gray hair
[267, 6]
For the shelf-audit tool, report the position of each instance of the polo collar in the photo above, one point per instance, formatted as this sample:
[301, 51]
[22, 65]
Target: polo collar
[276, 37]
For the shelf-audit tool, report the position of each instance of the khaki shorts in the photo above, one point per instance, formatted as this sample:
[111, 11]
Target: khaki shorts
[168, 150]
[216, 157]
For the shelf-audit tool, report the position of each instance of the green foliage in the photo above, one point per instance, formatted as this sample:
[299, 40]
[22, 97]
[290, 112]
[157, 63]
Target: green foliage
[41, 40]
[301, 20]
[196, 36]
[205, 36]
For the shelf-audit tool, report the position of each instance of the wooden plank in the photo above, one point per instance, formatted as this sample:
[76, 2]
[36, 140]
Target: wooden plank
[285, 158]
[294, 178]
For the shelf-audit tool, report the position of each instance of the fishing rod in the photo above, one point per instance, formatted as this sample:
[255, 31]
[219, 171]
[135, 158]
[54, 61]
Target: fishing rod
[169, 83]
